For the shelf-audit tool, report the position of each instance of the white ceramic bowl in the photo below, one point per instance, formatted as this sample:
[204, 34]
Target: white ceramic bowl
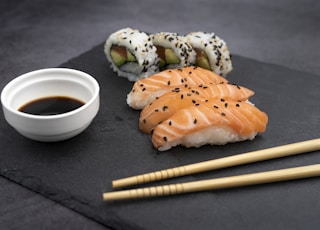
[49, 83]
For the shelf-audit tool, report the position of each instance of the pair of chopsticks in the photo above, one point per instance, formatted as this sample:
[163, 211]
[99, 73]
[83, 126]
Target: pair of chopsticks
[220, 183]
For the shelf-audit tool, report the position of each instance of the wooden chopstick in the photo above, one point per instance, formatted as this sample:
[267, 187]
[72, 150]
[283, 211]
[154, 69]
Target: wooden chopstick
[245, 158]
[220, 183]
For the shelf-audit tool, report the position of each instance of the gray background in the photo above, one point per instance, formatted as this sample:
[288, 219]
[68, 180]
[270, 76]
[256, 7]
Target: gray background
[39, 34]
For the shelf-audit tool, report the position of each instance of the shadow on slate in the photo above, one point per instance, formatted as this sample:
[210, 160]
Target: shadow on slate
[76, 172]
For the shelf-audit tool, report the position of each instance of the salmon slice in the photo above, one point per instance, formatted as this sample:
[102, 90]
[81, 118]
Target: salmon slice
[179, 98]
[214, 122]
[148, 89]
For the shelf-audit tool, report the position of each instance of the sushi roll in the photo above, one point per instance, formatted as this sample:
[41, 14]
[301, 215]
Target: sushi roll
[173, 50]
[212, 52]
[131, 54]
[215, 122]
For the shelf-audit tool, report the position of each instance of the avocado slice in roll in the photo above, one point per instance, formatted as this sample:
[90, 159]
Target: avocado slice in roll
[202, 59]
[166, 56]
[120, 55]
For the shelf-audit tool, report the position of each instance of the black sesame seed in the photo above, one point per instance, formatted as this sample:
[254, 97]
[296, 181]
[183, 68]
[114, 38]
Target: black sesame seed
[164, 108]
[169, 83]
[165, 138]
[143, 89]
[195, 121]
[144, 121]
[170, 123]
[222, 100]
[226, 105]
[156, 110]
[237, 105]
[216, 107]
[223, 114]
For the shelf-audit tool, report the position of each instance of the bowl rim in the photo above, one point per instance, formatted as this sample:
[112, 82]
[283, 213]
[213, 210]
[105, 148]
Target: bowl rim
[48, 70]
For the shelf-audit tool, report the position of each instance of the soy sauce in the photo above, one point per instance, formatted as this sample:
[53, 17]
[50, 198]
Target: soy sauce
[51, 105]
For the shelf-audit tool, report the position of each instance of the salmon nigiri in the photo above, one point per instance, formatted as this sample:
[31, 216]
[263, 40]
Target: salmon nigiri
[148, 89]
[170, 102]
[214, 122]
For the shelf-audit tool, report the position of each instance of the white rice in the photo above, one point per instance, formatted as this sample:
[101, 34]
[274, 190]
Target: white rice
[139, 101]
[216, 135]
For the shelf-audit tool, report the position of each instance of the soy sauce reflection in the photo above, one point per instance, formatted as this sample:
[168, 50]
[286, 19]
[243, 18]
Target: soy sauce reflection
[51, 105]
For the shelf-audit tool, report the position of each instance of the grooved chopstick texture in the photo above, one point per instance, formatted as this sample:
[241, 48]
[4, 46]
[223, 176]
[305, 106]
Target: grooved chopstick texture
[245, 158]
[220, 183]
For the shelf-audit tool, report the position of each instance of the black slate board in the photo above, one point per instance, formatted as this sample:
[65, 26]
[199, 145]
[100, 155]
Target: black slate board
[76, 172]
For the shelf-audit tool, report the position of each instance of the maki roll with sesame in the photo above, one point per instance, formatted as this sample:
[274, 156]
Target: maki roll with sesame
[212, 52]
[173, 50]
[131, 54]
